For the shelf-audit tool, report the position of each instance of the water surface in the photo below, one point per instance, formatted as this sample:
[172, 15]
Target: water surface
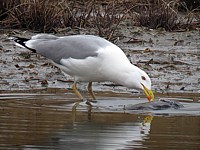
[36, 121]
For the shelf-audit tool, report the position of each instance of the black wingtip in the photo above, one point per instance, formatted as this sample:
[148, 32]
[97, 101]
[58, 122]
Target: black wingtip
[22, 41]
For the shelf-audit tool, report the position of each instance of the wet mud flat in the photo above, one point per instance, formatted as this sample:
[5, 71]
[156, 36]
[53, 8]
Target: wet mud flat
[171, 59]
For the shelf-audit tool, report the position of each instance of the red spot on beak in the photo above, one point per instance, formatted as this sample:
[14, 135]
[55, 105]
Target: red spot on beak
[149, 98]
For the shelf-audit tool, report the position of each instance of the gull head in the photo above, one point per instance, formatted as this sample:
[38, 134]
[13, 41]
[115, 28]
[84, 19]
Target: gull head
[145, 85]
[138, 79]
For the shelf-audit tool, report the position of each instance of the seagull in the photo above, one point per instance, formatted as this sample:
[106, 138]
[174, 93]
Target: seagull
[88, 58]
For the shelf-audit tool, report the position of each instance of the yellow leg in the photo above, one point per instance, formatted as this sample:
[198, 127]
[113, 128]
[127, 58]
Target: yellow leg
[76, 91]
[74, 88]
[90, 90]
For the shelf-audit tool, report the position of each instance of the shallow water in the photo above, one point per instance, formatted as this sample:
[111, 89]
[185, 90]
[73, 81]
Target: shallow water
[47, 121]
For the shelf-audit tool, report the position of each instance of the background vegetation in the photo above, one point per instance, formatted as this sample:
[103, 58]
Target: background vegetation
[104, 16]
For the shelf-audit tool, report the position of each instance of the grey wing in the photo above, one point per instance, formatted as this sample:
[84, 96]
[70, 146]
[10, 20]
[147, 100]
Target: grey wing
[78, 47]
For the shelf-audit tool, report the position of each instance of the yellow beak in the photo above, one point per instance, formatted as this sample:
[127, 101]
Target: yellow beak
[149, 94]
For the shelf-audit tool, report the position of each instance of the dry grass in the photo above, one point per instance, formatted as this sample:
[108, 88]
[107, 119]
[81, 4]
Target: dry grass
[157, 14]
[38, 15]
[188, 5]
[107, 18]
[164, 14]
[48, 15]
[104, 16]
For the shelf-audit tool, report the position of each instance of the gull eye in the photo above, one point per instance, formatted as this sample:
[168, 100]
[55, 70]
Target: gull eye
[143, 78]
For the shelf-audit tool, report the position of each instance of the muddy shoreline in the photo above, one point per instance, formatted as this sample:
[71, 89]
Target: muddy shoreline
[172, 59]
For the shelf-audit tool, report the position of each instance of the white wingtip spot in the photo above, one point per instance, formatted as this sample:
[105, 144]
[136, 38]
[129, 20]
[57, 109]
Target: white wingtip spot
[11, 38]
[19, 45]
